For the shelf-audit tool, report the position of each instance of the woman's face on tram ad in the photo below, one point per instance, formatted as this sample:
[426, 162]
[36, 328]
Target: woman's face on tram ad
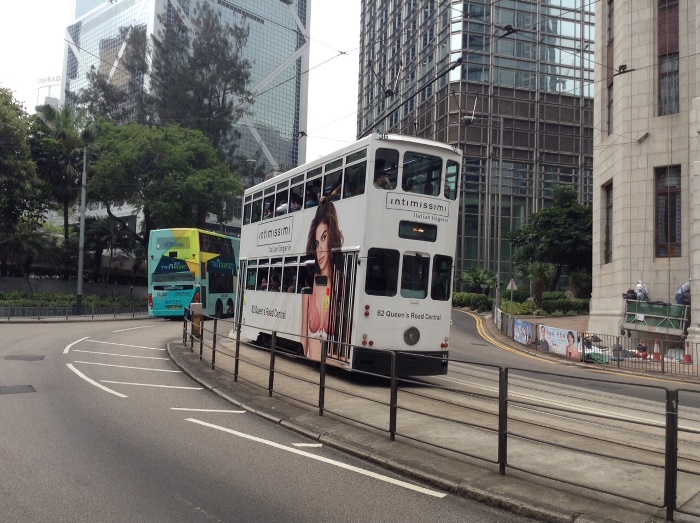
[322, 246]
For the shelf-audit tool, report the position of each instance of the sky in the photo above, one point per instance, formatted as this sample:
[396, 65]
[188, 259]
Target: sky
[31, 39]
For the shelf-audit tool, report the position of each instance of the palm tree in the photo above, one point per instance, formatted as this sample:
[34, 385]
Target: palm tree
[541, 275]
[474, 277]
[61, 145]
[112, 235]
[23, 245]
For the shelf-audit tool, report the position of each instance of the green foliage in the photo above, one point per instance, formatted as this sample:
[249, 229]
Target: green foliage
[540, 274]
[479, 302]
[553, 295]
[581, 283]
[20, 189]
[474, 277]
[565, 306]
[173, 174]
[519, 296]
[525, 308]
[21, 299]
[199, 77]
[561, 235]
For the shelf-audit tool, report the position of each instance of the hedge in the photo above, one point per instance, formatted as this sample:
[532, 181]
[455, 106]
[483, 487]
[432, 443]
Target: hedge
[480, 302]
[577, 306]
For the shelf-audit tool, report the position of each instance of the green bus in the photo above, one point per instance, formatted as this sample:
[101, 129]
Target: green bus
[191, 266]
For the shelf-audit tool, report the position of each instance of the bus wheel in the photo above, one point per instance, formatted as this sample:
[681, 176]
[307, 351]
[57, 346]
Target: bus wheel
[219, 309]
[229, 308]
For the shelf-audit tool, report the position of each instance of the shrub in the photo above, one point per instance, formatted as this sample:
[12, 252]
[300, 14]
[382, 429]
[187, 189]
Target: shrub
[519, 296]
[565, 306]
[553, 295]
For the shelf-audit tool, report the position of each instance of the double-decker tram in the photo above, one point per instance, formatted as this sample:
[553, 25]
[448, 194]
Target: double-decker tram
[191, 266]
[356, 249]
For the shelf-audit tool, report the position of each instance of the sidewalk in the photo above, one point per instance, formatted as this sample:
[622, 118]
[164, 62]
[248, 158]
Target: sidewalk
[520, 493]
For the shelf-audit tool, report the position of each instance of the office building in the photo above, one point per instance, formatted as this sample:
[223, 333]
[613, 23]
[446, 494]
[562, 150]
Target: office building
[647, 171]
[519, 104]
[277, 47]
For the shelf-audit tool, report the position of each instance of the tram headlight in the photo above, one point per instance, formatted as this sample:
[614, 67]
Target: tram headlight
[411, 336]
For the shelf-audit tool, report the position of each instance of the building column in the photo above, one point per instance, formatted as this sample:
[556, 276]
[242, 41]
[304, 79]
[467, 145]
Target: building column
[694, 240]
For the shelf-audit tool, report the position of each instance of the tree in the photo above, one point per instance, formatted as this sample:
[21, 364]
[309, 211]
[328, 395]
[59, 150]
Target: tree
[540, 275]
[200, 81]
[174, 175]
[474, 277]
[23, 244]
[561, 235]
[20, 189]
[58, 143]
[111, 235]
[120, 96]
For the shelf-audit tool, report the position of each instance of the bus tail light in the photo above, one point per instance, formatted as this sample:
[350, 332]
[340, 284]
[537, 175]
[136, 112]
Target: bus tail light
[371, 343]
[364, 339]
[150, 300]
[366, 310]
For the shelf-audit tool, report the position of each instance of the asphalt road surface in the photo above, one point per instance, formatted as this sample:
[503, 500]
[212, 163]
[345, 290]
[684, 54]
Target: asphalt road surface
[99, 425]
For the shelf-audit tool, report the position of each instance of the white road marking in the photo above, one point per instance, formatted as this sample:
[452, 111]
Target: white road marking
[339, 464]
[134, 328]
[316, 445]
[93, 382]
[209, 410]
[123, 344]
[121, 355]
[151, 385]
[124, 366]
[65, 351]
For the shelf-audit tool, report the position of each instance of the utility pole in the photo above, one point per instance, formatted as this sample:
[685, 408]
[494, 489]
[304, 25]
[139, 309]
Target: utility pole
[81, 244]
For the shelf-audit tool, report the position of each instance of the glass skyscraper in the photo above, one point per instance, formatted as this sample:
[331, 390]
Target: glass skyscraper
[277, 47]
[509, 82]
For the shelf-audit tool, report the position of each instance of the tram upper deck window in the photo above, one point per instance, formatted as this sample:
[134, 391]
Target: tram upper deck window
[246, 213]
[256, 211]
[296, 193]
[355, 180]
[382, 272]
[386, 168]
[414, 275]
[451, 180]
[312, 192]
[421, 173]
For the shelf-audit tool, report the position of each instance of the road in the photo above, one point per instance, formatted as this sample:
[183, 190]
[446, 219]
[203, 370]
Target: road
[99, 425]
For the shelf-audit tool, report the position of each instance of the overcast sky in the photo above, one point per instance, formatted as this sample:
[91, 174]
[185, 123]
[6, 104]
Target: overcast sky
[31, 39]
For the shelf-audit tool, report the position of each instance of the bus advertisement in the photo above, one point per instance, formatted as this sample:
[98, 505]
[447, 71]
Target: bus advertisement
[191, 266]
[357, 249]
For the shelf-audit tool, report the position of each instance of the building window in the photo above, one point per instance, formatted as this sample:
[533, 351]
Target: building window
[667, 222]
[607, 232]
[668, 49]
[610, 109]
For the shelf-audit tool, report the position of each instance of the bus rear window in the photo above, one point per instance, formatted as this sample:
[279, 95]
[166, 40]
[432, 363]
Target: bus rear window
[441, 284]
[382, 272]
[417, 231]
[414, 276]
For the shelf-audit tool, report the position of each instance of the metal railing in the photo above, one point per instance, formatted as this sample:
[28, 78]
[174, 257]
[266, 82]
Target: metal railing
[510, 425]
[642, 352]
[68, 311]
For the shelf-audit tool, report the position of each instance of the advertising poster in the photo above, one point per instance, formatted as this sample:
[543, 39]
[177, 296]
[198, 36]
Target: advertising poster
[560, 341]
[498, 318]
[522, 331]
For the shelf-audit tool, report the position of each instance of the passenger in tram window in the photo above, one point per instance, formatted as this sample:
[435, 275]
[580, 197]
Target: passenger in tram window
[324, 237]
[381, 180]
[311, 199]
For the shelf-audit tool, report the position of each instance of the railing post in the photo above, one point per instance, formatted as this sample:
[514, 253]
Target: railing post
[184, 326]
[671, 465]
[619, 349]
[238, 349]
[201, 337]
[271, 381]
[92, 307]
[39, 315]
[115, 307]
[67, 310]
[393, 400]
[322, 379]
[502, 420]
[213, 347]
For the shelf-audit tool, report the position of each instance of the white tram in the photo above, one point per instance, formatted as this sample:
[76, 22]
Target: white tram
[355, 248]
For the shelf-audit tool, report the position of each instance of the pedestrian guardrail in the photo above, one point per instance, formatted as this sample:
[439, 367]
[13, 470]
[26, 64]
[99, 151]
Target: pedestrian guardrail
[503, 423]
[67, 312]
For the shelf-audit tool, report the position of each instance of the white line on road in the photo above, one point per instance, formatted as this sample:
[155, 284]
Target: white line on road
[316, 445]
[134, 328]
[93, 382]
[151, 385]
[123, 344]
[121, 355]
[65, 351]
[351, 468]
[124, 366]
[209, 410]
